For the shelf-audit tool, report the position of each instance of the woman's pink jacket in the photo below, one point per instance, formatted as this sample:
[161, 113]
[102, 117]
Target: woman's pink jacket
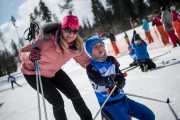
[52, 58]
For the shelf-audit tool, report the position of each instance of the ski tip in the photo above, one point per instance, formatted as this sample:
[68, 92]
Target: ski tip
[168, 101]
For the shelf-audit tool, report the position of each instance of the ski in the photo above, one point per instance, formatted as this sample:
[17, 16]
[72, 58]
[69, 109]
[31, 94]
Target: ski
[127, 68]
[133, 67]
[161, 55]
[167, 61]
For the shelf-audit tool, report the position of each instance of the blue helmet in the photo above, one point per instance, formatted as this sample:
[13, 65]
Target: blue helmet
[90, 44]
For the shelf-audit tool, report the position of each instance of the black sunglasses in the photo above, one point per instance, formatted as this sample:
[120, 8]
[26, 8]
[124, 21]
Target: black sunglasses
[68, 30]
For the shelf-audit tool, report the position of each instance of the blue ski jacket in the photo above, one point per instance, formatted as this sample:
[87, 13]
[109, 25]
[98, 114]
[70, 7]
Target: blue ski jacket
[98, 73]
[140, 50]
[145, 25]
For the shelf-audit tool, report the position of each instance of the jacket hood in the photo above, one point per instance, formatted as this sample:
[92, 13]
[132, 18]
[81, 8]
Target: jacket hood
[49, 29]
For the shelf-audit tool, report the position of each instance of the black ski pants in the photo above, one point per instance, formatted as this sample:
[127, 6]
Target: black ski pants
[149, 62]
[63, 83]
[15, 83]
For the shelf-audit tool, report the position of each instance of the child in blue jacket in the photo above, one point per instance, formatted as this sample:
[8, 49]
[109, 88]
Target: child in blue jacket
[103, 72]
[142, 55]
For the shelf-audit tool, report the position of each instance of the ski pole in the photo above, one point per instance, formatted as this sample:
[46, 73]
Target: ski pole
[138, 96]
[130, 20]
[132, 67]
[156, 33]
[105, 102]
[33, 25]
[161, 54]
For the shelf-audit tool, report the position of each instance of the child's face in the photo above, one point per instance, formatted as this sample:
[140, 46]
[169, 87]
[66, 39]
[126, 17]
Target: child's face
[98, 50]
[138, 42]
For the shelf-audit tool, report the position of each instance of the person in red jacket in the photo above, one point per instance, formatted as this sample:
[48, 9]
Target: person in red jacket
[176, 20]
[56, 45]
[168, 26]
[157, 21]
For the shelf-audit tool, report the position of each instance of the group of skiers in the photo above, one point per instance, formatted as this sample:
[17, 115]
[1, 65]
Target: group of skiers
[167, 23]
[56, 44]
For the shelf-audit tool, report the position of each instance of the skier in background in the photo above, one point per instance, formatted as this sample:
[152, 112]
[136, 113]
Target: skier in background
[12, 79]
[176, 20]
[142, 55]
[145, 26]
[112, 38]
[157, 21]
[103, 72]
[166, 19]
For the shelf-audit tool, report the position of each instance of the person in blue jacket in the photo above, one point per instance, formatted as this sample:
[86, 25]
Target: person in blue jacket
[145, 26]
[12, 79]
[103, 72]
[142, 55]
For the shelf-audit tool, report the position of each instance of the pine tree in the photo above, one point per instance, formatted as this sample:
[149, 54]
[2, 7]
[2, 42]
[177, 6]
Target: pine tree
[67, 6]
[115, 7]
[141, 8]
[21, 42]
[157, 4]
[9, 65]
[101, 17]
[44, 11]
[14, 47]
[36, 12]
[127, 10]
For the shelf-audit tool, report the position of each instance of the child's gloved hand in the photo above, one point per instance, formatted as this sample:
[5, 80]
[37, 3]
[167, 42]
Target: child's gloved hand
[118, 79]
[134, 33]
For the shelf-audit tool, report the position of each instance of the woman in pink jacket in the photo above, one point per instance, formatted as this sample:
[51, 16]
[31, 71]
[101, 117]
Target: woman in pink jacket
[56, 44]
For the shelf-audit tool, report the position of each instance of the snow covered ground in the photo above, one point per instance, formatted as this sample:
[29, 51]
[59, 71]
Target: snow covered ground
[160, 84]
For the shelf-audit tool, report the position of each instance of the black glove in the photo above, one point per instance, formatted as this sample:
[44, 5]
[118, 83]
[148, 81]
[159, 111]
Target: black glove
[134, 33]
[118, 79]
[35, 54]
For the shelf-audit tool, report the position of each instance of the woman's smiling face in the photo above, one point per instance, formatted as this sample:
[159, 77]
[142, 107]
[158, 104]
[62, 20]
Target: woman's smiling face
[69, 35]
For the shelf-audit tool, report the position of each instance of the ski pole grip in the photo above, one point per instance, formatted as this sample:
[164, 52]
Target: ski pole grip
[125, 74]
